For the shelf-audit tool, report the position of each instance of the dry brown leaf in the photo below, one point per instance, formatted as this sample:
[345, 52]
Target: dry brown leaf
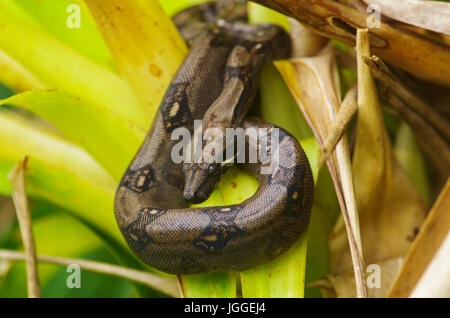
[435, 282]
[390, 208]
[314, 84]
[430, 127]
[306, 43]
[343, 285]
[430, 15]
[431, 236]
[425, 57]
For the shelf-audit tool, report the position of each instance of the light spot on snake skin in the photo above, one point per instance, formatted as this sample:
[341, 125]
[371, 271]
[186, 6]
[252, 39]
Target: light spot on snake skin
[210, 237]
[294, 202]
[174, 109]
[220, 230]
[150, 211]
[139, 180]
[136, 233]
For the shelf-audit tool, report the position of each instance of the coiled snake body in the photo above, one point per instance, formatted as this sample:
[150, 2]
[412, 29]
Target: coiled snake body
[216, 83]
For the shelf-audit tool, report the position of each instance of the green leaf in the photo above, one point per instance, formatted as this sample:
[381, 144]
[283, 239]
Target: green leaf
[58, 66]
[324, 214]
[110, 139]
[93, 285]
[171, 7]
[77, 242]
[261, 14]
[52, 16]
[21, 136]
[212, 285]
[61, 173]
[48, 239]
[15, 76]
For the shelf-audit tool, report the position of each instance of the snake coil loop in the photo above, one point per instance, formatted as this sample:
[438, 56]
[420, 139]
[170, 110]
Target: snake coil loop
[217, 84]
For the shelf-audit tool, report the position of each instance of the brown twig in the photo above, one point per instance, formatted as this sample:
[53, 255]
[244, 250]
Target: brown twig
[17, 178]
[166, 285]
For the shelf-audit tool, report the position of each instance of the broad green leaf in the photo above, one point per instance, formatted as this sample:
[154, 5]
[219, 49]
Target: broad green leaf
[21, 136]
[93, 285]
[171, 7]
[278, 105]
[110, 139]
[15, 76]
[61, 235]
[58, 19]
[324, 213]
[65, 175]
[58, 234]
[58, 66]
[58, 171]
[261, 14]
[55, 234]
[212, 285]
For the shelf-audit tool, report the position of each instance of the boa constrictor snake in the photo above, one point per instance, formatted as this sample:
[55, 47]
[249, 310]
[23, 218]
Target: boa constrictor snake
[217, 82]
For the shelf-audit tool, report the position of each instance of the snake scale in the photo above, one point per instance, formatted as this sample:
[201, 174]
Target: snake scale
[216, 83]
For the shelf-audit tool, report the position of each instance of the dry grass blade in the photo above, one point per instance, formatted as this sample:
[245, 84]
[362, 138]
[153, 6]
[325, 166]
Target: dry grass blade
[339, 125]
[431, 236]
[405, 50]
[315, 85]
[430, 15]
[163, 284]
[389, 206]
[17, 178]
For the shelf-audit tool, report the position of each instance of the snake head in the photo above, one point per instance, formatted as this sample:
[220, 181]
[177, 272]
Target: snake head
[201, 179]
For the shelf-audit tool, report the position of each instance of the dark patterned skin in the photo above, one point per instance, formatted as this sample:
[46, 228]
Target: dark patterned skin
[216, 83]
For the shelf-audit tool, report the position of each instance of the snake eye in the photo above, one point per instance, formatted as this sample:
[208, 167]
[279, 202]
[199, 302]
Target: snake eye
[212, 168]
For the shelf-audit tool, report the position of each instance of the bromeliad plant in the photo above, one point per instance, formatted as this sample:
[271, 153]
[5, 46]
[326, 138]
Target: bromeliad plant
[88, 80]
[101, 108]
